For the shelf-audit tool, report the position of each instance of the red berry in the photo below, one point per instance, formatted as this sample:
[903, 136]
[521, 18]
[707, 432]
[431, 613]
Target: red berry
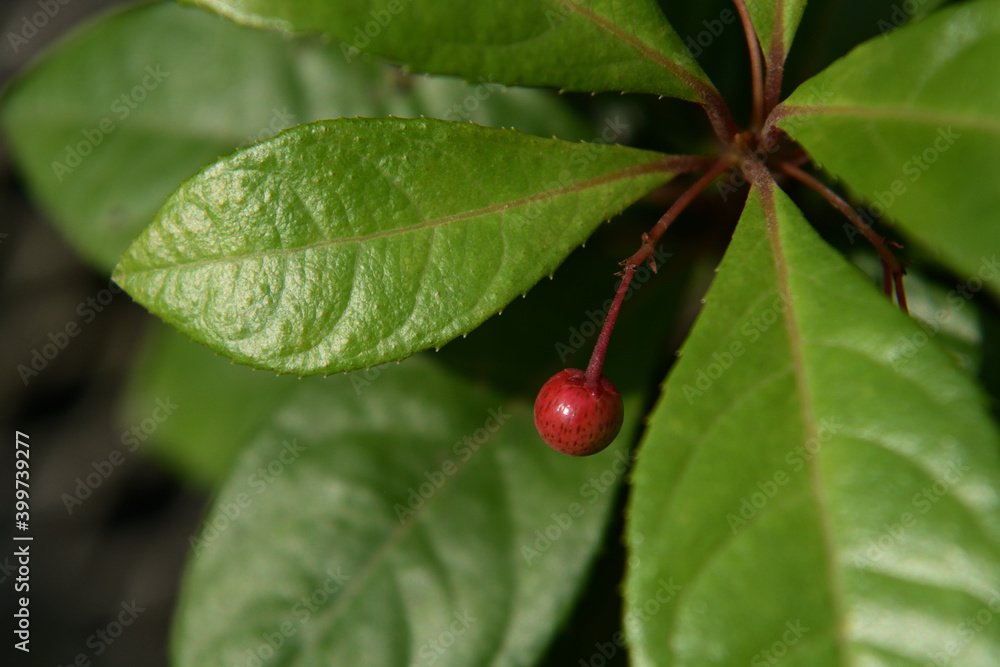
[577, 418]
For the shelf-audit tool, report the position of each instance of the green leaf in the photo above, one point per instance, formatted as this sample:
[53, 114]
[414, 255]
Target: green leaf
[911, 122]
[952, 318]
[219, 405]
[776, 22]
[403, 526]
[812, 491]
[594, 46]
[191, 114]
[831, 28]
[345, 244]
[922, 9]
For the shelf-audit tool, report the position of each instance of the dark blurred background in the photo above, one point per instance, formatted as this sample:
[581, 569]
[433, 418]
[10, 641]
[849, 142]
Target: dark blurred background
[128, 541]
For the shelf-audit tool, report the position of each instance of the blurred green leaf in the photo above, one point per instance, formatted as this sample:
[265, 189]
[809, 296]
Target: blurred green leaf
[345, 244]
[814, 493]
[919, 10]
[762, 14]
[113, 119]
[594, 46]
[219, 404]
[911, 122]
[394, 528]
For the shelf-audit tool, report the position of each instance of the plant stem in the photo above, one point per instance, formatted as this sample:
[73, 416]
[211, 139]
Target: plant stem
[772, 85]
[892, 270]
[686, 164]
[756, 71]
[775, 60]
[651, 238]
[900, 293]
[718, 114]
[714, 107]
[593, 375]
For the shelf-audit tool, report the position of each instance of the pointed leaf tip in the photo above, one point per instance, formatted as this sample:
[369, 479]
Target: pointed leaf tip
[265, 262]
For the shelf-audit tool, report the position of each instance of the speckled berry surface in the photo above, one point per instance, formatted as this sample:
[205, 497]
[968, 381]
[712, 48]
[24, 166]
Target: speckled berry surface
[577, 418]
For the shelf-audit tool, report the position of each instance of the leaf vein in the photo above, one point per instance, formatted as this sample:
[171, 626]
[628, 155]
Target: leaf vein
[597, 181]
[781, 270]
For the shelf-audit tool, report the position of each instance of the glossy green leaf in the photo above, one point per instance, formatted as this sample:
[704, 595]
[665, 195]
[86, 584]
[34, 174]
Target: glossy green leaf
[345, 244]
[911, 122]
[946, 313]
[423, 522]
[766, 15]
[817, 491]
[102, 142]
[221, 404]
[588, 46]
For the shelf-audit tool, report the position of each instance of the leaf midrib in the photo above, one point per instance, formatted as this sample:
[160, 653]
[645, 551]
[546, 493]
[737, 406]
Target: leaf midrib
[395, 537]
[983, 123]
[651, 54]
[629, 172]
[807, 413]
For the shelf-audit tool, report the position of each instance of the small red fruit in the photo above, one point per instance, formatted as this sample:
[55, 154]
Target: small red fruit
[576, 417]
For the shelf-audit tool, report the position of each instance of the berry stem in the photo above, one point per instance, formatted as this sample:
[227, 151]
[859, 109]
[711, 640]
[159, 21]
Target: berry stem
[892, 269]
[649, 240]
[652, 237]
[593, 376]
[756, 71]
